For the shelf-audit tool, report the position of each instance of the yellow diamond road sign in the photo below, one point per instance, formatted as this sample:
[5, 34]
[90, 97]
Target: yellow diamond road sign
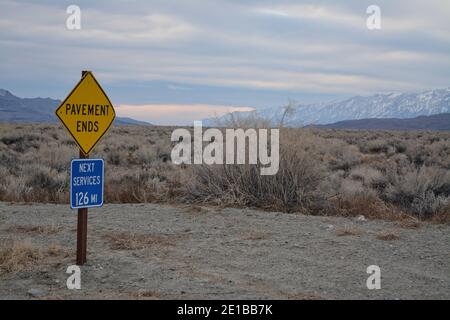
[86, 113]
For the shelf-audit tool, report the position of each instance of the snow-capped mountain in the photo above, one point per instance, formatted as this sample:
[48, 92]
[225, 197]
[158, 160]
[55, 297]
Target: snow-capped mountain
[394, 105]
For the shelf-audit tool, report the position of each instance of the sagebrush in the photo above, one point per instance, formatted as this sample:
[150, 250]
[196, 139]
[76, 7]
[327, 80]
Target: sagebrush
[334, 172]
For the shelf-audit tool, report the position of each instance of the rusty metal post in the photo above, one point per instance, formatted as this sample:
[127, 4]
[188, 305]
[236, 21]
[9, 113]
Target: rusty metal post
[82, 223]
[82, 230]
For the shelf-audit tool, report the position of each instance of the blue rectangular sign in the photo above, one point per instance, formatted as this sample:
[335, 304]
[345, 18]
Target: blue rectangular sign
[86, 183]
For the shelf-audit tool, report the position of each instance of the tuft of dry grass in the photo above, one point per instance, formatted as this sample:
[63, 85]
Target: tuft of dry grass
[17, 256]
[132, 241]
[56, 250]
[443, 216]
[388, 236]
[411, 223]
[348, 232]
[22, 255]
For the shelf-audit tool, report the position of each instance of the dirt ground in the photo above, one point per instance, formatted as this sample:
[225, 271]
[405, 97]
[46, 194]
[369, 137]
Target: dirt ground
[152, 251]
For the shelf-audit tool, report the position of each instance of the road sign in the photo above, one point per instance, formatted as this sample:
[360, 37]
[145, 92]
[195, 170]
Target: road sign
[86, 113]
[86, 183]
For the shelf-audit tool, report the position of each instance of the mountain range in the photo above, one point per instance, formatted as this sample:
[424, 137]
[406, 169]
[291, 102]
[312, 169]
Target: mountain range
[434, 122]
[427, 110]
[38, 110]
[379, 106]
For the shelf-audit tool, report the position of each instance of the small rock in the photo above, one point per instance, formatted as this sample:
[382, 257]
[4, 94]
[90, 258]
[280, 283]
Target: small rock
[329, 227]
[36, 293]
[361, 218]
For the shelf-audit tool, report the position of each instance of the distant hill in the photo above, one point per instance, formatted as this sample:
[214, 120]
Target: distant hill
[434, 122]
[38, 110]
[382, 106]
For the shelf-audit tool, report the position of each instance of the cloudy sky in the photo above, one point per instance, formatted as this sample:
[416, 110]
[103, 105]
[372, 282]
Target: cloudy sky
[170, 62]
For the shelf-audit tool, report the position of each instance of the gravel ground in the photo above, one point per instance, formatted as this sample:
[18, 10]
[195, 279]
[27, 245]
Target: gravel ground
[155, 251]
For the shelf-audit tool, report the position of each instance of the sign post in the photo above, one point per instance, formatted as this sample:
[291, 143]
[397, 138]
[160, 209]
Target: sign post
[86, 113]
[86, 191]
[82, 229]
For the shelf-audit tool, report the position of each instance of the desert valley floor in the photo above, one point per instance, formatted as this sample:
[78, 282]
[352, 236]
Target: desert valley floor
[153, 251]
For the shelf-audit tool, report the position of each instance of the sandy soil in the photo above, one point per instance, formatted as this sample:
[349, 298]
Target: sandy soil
[168, 252]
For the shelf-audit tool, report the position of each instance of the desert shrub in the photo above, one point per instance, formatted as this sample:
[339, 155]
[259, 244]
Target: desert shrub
[68, 142]
[417, 155]
[114, 157]
[145, 155]
[423, 191]
[20, 142]
[438, 154]
[367, 204]
[400, 160]
[346, 158]
[143, 184]
[375, 146]
[354, 199]
[163, 152]
[370, 177]
[398, 145]
[57, 157]
[344, 172]
[41, 183]
[131, 187]
[294, 187]
[43, 178]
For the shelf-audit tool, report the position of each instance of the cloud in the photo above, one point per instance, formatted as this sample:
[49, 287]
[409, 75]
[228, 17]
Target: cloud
[317, 13]
[218, 53]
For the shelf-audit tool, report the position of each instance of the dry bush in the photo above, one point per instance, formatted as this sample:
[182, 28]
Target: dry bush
[343, 157]
[423, 191]
[442, 216]
[294, 188]
[138, 166]
[375, 146]
[333, 172]
[366, 205]
[369, 177]
[18, 256]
